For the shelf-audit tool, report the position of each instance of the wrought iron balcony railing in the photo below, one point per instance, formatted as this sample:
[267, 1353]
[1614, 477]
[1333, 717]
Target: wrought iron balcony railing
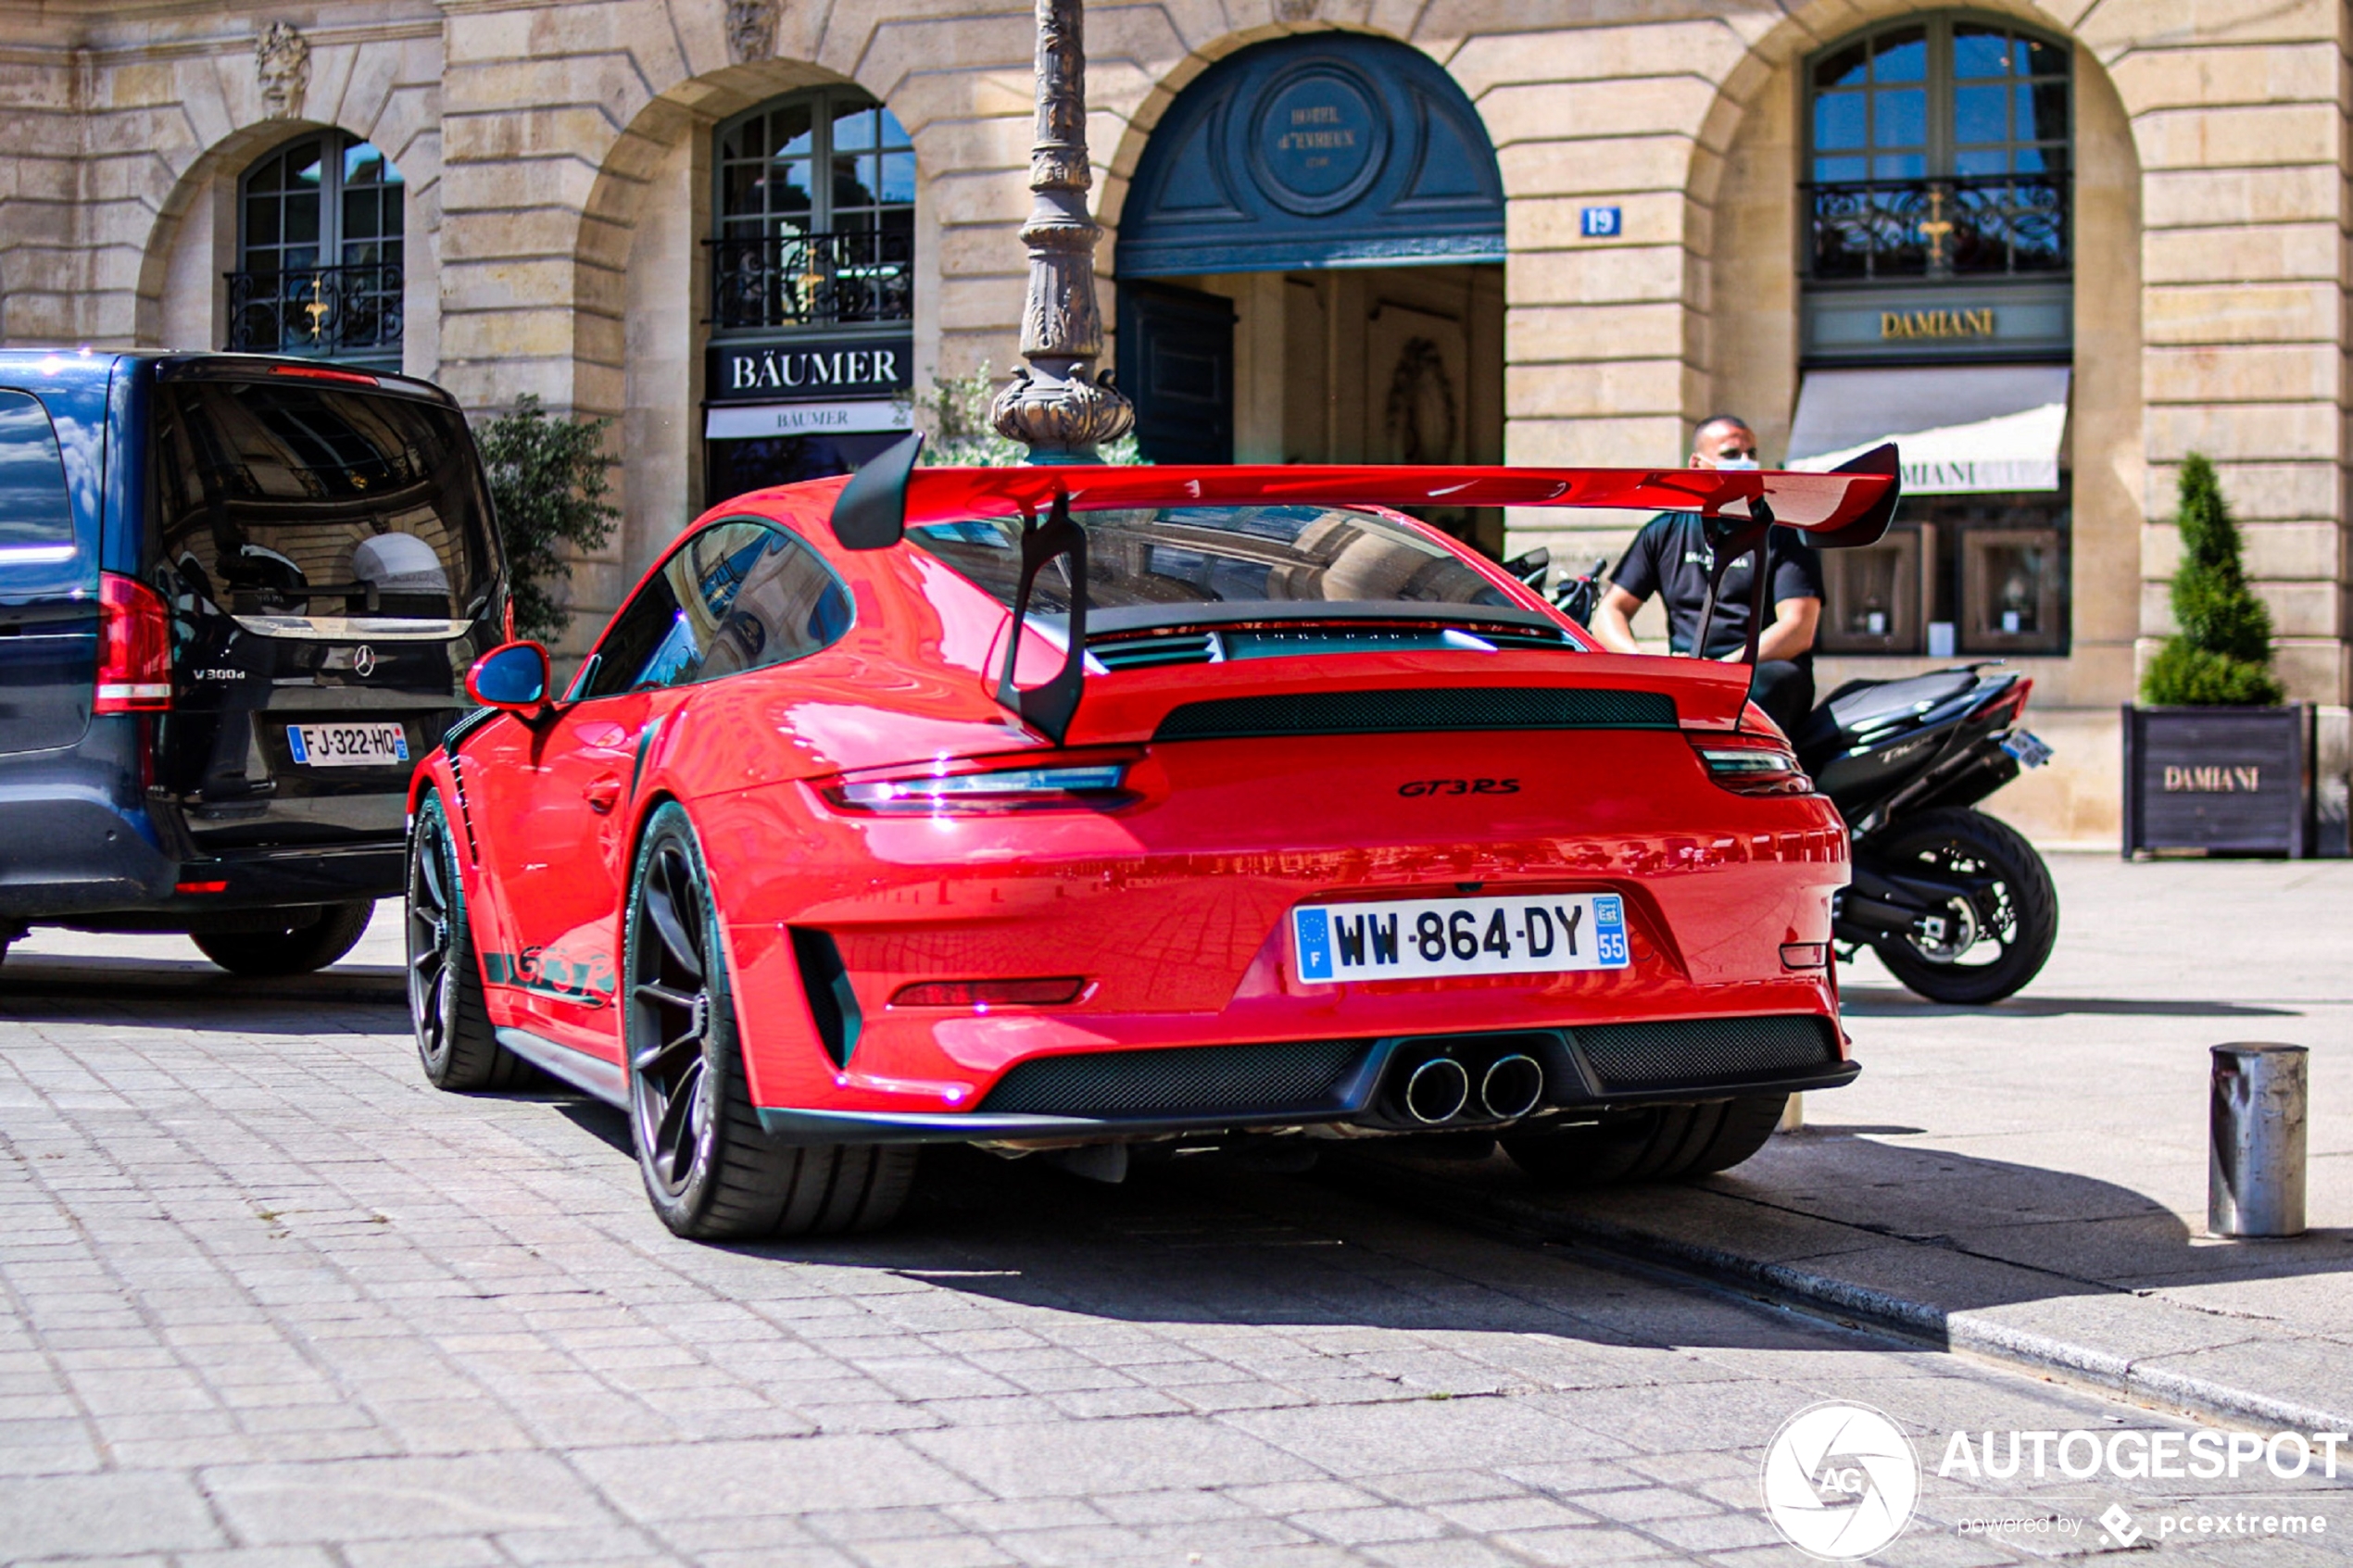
[328, 312]
[1993, 225]
[795, 280]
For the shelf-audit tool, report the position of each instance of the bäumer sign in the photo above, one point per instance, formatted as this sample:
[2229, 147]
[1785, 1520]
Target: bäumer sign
[772, 372]
[822, 387]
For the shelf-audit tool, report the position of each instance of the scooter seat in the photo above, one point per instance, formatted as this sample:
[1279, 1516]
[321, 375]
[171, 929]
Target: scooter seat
[1860, 708]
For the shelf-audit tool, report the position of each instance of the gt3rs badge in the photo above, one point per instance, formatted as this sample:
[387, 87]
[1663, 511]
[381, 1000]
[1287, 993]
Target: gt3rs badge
[1413, 788]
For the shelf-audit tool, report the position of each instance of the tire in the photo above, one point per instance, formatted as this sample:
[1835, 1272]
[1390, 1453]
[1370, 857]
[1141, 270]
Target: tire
[2012, 904]
[710, 1171]
[1667, 1143]
[299, 946]
[455, 1041]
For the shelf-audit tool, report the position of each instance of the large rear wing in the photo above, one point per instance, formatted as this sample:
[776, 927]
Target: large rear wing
[1849, 506]
[1846, 507]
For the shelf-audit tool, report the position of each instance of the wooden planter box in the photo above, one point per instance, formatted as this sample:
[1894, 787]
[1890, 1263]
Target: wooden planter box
[2232, 780]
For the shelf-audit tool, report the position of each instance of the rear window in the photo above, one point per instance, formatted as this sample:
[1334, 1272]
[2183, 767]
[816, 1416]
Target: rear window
[37, 547]
[311, 511]
[1237, 557]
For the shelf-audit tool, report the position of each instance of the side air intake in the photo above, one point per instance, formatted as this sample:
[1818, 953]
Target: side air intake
[1424, 708]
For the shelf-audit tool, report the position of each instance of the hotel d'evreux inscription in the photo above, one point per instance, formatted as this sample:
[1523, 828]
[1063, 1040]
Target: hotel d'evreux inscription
[1319, 139]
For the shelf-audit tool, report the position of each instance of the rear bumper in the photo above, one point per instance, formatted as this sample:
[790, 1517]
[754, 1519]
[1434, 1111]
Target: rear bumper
[69, 852]
[1106, 1095]
[70, 856]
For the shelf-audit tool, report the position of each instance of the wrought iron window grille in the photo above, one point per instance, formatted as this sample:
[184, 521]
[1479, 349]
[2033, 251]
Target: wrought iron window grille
[321, 312]
[1996, 225]
[848, 278]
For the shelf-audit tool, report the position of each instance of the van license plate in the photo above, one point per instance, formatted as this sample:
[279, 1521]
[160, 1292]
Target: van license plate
[1428, 939]
[347, 745]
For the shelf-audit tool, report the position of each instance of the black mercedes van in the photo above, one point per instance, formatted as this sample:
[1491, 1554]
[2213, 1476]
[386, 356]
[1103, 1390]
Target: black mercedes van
[238, 596]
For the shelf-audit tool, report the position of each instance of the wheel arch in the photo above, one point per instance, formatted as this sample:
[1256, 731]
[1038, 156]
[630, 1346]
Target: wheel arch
[784, 1053]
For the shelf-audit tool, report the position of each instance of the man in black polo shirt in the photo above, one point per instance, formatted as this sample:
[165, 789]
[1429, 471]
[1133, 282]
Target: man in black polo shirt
[1672, 556]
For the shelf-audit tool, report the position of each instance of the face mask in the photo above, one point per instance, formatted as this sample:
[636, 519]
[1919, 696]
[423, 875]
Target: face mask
[1737, 463]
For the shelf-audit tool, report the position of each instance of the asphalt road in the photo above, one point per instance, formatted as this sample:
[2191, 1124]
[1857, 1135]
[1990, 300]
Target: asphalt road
[267, 1298]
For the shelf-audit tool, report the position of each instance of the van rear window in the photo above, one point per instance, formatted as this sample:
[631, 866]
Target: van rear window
[37, 547]
[317, 511]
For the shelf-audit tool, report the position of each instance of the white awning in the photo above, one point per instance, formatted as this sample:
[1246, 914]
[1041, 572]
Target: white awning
[1962, 429]
[739, 422]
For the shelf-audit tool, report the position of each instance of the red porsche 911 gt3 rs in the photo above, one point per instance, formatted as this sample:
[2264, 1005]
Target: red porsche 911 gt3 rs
[1097, 810]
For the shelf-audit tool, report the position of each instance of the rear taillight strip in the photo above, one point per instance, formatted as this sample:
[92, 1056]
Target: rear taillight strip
[1750, 764]
[134, 649]
[977, 788]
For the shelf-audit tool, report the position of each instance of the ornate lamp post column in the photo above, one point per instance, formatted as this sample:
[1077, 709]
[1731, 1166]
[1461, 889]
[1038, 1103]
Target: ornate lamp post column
[1056, 405]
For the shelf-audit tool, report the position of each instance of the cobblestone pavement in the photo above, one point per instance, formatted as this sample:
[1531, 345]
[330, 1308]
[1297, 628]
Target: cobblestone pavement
[268, 1298]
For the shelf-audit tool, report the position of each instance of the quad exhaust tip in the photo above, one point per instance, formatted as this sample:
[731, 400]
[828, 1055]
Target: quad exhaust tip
[1442, 1089]
[1437, 1091]
[1512, 1087]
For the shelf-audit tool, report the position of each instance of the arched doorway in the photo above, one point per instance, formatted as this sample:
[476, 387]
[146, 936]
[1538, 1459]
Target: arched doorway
[321, 244]
[1310, 266]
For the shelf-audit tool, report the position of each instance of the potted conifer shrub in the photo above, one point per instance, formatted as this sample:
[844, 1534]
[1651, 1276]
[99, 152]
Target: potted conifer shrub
[2213, 758]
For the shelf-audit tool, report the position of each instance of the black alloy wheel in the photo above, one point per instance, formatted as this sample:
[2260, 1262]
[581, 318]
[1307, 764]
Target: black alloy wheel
[711, 1170]
[1999, 935]
[454, 1041]
[671, 987]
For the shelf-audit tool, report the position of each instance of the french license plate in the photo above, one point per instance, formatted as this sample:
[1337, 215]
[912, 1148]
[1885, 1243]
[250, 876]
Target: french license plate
[347, 745]
[1424, 938]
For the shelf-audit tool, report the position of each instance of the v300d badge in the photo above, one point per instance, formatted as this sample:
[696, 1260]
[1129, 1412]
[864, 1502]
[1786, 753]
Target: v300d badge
[1049, 808]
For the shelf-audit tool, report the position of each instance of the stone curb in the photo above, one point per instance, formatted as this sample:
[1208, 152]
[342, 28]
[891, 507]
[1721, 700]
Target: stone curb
[1863, 1305]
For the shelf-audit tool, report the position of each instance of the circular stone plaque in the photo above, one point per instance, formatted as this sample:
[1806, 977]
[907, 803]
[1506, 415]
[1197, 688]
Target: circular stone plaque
[1319, 139]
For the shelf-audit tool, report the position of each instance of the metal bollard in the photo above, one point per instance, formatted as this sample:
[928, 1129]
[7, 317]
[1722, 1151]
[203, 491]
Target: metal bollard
[2255, 1118]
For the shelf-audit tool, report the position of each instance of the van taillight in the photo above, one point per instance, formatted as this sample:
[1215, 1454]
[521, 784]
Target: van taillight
[134, 649]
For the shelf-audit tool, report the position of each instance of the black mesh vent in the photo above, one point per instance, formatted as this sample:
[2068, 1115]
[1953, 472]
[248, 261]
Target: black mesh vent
[1383, 712]
[1645, 1056]
[1303, 1076]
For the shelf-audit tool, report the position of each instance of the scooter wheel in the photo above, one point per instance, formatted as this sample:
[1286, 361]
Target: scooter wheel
[2011, 920]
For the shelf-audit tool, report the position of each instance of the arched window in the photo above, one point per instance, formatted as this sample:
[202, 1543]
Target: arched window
[319, 253]
[1938, 312]
[816, 220]
[1938, 147]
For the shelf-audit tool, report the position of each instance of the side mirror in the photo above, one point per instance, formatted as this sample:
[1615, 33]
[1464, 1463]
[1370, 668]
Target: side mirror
[513, 676]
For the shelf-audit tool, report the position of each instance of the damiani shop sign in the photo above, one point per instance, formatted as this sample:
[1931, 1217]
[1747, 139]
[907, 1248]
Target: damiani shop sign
[1937, 324]
[789, 372]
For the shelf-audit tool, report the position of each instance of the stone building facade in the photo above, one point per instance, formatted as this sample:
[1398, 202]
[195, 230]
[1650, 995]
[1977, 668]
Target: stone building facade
[1547, 231]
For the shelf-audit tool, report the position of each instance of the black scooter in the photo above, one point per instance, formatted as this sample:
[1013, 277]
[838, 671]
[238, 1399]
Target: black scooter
[1957, 905]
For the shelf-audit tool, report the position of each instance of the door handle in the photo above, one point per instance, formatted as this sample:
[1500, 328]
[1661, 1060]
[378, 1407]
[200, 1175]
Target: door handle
[603, 794]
